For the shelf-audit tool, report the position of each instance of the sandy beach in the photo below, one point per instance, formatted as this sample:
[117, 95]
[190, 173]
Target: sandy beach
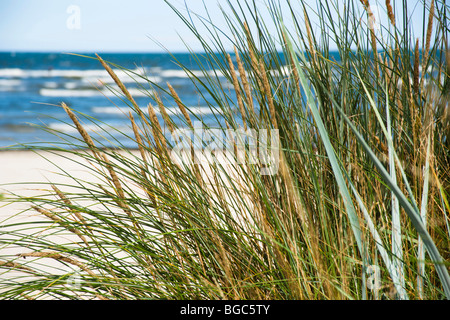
[17, 170]
[27, 173]
[23, 173]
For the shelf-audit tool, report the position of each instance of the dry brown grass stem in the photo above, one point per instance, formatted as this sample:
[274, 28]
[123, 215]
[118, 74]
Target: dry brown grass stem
[416, 69]
[57, 256]
[310, 38]
[296, 202]
[120, 200]
[429, 28]
[123, 88]
[140, 144]
[156, 127]
[373, 38]
[188, 119]
[292, 195]
[226, 265]
[164, 114]
[446, 105]
[15, 265]
[268, 93]
[237, 89]
[68, 203]
[245, 83]
[170, 125]
[390, 12]
[86, 137]
[180, 105]
[447, 57]
[56, 219]
[253, 58]
[232, 140]
[118, 82]
[374, 48]
[289, 274]
[428, 39]
[294, 69]
[137, 135]
[114, 178]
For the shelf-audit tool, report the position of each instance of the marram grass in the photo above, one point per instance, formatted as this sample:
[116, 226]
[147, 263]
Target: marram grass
[357, 209]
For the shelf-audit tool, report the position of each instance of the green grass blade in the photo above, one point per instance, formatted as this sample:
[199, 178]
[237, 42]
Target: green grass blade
[408, 207]
[348, 203]
[398, 276]
[423, 215]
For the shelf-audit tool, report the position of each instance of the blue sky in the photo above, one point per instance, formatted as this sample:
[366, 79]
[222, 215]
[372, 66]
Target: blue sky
[104, 25]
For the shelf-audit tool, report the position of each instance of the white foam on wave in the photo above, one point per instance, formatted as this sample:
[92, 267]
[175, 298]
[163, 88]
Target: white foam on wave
[71, 93]
[87, 92]
[70, 85]
[125, 78]
[114, 110]
[92, 75]
[70, 129]
[16, 73]
[10, 85]
[194, 110]
[173, 74]
[51, 84]
[10, 82]
[176, 73]
[283, 71]
[42, 73]
[95, 75]
[172, 111]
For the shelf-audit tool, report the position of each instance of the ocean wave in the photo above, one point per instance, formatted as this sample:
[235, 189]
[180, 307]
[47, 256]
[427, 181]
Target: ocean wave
[114, 110]
[42, 73]
[10, 82]
[51, 84]
[91, 75]
[170, 111]
[70, 85]
[11, 85]
[88, 93]
[70, 129]
[125, 79]
[176, 73]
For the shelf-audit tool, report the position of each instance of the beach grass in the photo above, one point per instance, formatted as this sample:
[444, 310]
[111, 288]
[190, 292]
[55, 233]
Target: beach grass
[354, 206]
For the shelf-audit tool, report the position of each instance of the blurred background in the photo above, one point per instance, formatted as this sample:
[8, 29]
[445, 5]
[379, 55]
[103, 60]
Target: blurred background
[37, 73]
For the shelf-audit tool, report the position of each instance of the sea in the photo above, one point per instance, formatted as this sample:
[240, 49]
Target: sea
[33, 86]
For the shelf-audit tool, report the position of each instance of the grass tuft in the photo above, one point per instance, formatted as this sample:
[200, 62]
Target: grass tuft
[353, 203]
